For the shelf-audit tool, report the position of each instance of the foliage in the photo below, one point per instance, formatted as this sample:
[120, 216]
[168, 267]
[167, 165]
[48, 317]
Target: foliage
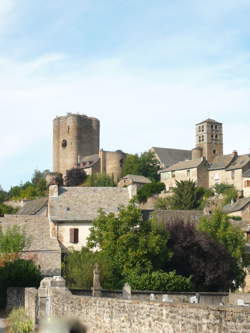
[197, 254]
[219, 228]
[145, 164]
[32, 189]
[19, 273]
[78, 269]
[12, 240]
[160, 281]
[5, 209]
[3, 195]
[163, 203]
[187, 195]
[229, 192]
[19, 321]
[99, 180]
[147, 190]
[131, 244]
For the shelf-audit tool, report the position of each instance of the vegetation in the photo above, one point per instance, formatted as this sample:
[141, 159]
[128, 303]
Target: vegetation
[145, 165]
[163, 203]
[99, 180]
[197, 254]
[147, 190]
[13, 240]
[229, 192]
[19, 321]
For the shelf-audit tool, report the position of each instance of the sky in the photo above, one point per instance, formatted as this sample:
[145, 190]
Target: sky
[149, 70]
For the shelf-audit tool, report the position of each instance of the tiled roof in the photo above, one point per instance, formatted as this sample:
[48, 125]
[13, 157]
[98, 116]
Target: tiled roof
[209, 120]
[221, 162]
[169, 156]
[33, 207]
[138, 179]
[237, 206]
[185, 165]
[247, 174]
[84, 203]
[36, 228]
[240, 162]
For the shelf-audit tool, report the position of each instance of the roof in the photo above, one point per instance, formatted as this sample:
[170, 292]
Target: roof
[33, 207]
[221, 162]
[247, 174]
[138, 179]
[35, 227]
[84, 203]
[240, 162]
[169, 156]
[185, 165]
[238, 205]
[89, 161]
[209, 120]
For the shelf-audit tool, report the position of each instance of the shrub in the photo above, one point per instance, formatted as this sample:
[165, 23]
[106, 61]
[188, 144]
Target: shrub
[160, 281]
[20, 273]
[148, 190]
[19, 321]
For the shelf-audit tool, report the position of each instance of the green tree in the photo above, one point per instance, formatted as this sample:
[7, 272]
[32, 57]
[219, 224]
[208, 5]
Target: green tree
[163, 203]
[133, 244]
[145, 164]
[3, 195]
[13, 240]
[187, 195]
[147, 190]
[99, 180]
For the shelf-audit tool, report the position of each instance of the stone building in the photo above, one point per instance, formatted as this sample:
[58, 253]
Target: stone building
[73, 209]
[76, 144]
[170, 156]
[208, 165]
[44, 251]
[139, 181]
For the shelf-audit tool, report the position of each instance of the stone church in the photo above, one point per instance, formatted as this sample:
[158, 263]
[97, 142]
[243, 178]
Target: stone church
[208, 165]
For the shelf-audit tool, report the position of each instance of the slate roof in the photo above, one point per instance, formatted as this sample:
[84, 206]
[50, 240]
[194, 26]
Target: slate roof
[89, 161]
[138, 179]
[237, 206]
[169, 156]
[247, 174]
[84, 203]
[221, 162]
[33, 207]
[185, 165]
[240, 162]
[209, 120]
[35, 227]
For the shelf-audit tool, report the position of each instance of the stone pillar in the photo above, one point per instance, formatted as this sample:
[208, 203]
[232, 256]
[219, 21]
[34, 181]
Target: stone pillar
[96, 289]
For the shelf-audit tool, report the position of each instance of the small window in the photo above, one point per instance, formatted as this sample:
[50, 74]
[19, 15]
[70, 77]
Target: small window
[216, 136]
[188, 173]
[214, 151]
[216, 126]
[68, 129]
[247, 183]
[248, 236]
[212, 126]
[232, 174]
[172, 174]
[64, 143]
[202, 138]
[74, 235]
[212, 136]
[202, 128]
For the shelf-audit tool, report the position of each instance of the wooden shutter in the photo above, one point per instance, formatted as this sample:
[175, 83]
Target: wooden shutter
[73, 235]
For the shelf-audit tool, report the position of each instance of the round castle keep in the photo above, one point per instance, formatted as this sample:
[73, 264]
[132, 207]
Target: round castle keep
[74, 137]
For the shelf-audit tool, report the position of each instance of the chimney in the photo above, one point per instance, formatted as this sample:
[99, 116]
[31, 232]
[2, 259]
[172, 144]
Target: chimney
[235, 153]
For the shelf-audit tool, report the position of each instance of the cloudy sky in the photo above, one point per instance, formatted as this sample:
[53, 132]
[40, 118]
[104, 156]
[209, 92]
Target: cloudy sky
[149, 70]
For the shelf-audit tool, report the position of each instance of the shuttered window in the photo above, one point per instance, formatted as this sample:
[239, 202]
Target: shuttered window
[74, 235]
[247, 183]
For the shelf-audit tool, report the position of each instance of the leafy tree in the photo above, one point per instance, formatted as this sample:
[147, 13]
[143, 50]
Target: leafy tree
[3, 195]
[163, 203]
[197, 254]
[19, 273]
[219, 228]
[187, 195]
[13, 240]
[39, 176]
[229, 192]
[146, 165]
[99, 180]
[131, 243]
[148, 190]
[160, 281]
[4, 209]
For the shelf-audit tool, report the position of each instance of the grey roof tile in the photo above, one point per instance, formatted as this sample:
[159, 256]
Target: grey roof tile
[221, 162]
[169, 156]
[240, 162]
[185, 165]
[238, 205]
[138, 179]
[33, 207]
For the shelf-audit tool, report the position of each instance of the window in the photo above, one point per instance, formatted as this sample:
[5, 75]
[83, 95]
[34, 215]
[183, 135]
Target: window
[74, 235]
[248, 236]
[216, 126]
[212, 126]
[214, 151]
[202, 128]
[64, 143]
[68, 129]
[188, 173]
[232, 174]
[247, 183]
[172, 174]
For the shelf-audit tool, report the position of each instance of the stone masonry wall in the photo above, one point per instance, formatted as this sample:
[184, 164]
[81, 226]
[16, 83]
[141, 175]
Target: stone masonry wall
[113, 315]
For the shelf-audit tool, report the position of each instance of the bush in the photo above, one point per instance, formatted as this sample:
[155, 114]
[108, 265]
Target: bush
[20, 273]
[160, 281]
[19, 321]
[163, 203]
[147, 190]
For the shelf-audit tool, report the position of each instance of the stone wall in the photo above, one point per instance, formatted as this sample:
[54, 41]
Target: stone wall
[115, 315]
[15, 298]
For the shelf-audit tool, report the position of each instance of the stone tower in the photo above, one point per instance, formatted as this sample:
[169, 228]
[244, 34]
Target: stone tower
[209, 137]
[74, 136]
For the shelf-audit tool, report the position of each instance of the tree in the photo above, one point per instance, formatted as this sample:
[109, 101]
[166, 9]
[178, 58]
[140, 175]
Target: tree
[187, 195]
[219, 228]
[147, 190]
[99, 180]
[146, 165]
[131, 243]
[197, 254]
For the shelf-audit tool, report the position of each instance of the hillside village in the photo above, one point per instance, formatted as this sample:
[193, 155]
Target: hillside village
[61, 222]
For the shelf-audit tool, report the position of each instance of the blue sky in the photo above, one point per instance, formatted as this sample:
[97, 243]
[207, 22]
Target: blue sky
[149, 70]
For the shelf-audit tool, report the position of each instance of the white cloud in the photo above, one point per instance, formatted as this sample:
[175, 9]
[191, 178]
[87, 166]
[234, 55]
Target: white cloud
[6, 9]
